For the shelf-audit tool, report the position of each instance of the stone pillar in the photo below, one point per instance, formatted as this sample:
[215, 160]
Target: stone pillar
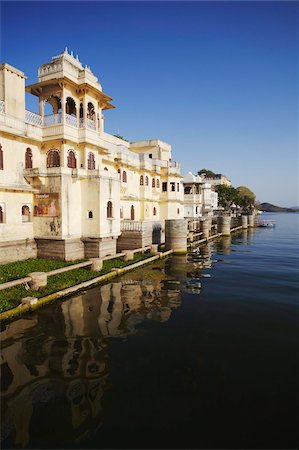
[42, 109]
[38, 280]
[206, 228]
[251, 220]
[85, 103]
[154, 248]
[176, 235]
[128, 255]
[97, 264]
[244, 222]
[63, 100]
[29, 301]
[225, 222]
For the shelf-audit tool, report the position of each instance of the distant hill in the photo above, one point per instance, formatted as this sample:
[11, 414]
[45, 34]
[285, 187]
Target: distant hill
[268, 207]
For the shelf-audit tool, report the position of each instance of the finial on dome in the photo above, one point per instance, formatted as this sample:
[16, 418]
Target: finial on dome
[77, 57]
[72, 53]
[65, 50]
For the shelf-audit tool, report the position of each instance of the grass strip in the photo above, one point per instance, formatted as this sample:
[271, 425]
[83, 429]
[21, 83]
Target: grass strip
[20, 269]
[10, 298]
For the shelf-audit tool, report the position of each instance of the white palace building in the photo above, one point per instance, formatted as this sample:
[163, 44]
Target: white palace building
[68, 189]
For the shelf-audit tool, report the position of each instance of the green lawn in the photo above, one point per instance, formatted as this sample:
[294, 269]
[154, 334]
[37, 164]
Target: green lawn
[10, 298]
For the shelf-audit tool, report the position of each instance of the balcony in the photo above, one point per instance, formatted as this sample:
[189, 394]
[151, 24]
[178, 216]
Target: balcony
[54, 119]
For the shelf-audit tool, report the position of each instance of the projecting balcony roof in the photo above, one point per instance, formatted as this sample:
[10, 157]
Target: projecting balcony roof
[37, 88]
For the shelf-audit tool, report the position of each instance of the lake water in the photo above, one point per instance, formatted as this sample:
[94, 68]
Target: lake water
[153, 360]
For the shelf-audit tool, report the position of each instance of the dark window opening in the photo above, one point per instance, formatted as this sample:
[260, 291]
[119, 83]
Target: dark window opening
[132, 213]
[25, 213]
[53, 158]
[109, 210]
[91, 164]
[28, 159]
[90, 111]
[70, 107]
[71, 160]
[164, 186]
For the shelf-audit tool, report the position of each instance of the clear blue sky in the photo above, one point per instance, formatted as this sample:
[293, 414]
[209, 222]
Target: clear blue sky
[217, 80]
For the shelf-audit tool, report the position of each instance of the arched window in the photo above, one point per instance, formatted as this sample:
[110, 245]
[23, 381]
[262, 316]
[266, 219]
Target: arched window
[178, 210]
[71, 160]
[90, 111]
[90, 214]
[1, 214]
[1, 158]
[124, 178]
[132, 213]
[105, 168]
[154, 211]
[91, 164]
[25, 213]
[28, 159]
[81, 111]
[109, 210]
[54, 102]
[141, 180]
[146, 180]
[53, 158]
[70, 106]
[158, 183]
[153, 183]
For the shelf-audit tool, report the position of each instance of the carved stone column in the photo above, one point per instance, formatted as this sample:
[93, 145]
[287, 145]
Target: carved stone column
[42, 108]
[63, 100]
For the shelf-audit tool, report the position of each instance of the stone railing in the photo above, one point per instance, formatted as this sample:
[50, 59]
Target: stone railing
[130, 225]
[71, 120]
[20, 126]
[33, 118]
[87, 123]
[52, 119]
[2, 106]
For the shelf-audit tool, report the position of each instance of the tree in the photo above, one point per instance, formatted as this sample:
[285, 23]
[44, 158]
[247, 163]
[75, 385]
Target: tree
[120, 137]
[227, 195]
[245, 197]
[207, 171]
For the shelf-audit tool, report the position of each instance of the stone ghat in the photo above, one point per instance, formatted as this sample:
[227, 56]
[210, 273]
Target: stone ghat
[39, 279]
[31, 304]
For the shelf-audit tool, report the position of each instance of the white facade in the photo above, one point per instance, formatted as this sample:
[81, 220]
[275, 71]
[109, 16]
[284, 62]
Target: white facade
[64, 182]
[199, 198]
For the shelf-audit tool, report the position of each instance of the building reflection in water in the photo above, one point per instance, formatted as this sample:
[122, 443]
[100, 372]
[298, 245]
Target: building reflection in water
[55, 364]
